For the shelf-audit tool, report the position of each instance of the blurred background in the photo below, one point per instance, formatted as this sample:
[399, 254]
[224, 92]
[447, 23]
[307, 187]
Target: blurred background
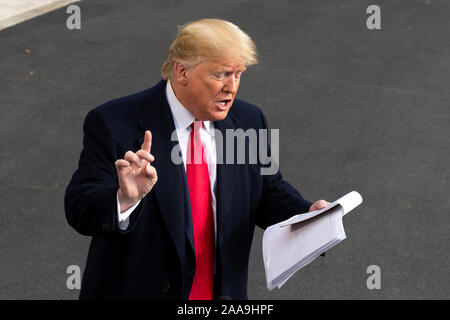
[357, 109]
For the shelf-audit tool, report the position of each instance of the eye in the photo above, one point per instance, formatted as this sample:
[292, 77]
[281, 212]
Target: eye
[222, 75]
[219, 75]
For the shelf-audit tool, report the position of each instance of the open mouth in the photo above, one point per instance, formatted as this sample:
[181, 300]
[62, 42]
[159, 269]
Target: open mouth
[224, 104]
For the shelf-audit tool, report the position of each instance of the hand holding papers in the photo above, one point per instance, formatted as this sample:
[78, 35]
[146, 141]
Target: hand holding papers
[294, 243]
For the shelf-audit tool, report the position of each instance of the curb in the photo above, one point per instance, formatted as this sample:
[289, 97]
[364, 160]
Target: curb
[34, 12]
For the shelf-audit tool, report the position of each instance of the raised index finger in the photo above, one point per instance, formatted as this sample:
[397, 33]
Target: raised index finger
[147, 145]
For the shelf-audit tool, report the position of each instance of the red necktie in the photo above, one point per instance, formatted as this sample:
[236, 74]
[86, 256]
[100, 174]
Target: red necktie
[201, 208]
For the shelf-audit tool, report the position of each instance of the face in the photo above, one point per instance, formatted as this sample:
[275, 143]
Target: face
[210, 87]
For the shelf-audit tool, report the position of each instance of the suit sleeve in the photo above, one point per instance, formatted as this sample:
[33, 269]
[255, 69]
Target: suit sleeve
[279, 199]
[90, 198]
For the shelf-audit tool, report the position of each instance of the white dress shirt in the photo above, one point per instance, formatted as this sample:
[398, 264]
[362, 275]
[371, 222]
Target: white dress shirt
[183, 120]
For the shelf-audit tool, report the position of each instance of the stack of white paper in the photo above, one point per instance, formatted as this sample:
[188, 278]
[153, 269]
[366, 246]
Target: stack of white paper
[293, 243]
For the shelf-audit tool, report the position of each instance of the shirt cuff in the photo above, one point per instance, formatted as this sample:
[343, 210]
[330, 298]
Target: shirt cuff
[126, 214]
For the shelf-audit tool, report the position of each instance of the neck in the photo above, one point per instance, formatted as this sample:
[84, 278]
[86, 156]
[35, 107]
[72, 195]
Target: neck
[179, 92]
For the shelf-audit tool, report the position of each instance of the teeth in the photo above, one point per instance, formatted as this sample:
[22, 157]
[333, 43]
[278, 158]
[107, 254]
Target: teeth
[222, 102]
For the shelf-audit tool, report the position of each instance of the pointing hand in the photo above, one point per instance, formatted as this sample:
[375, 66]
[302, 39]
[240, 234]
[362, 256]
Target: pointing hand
[136, 174]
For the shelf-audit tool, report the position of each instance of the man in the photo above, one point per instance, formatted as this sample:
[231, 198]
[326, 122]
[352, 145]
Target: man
[168, 229]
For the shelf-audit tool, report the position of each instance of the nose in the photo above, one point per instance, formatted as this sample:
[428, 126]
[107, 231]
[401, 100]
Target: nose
[231, 85]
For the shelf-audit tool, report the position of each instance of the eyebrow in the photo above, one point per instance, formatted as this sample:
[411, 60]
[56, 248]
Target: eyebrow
[230, 70]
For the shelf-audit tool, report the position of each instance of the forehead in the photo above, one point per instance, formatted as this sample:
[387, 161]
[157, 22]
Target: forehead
[222, 63]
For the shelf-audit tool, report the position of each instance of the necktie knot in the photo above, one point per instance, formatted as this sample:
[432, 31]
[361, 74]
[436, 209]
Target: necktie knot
[196, 126]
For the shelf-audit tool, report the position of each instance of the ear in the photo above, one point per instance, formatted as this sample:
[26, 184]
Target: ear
[180, 73]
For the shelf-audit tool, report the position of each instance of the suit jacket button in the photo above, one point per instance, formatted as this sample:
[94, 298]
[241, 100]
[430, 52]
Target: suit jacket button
[165, 287]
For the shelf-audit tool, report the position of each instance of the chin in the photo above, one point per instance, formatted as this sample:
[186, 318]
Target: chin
[217, 116]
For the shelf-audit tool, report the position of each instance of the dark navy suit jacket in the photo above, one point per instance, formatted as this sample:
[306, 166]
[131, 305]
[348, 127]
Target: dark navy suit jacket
[154, 257]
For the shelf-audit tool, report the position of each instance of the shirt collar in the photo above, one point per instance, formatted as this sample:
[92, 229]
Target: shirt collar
[183, 118]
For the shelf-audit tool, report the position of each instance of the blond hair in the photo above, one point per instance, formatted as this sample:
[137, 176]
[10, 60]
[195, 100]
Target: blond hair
[209, 38]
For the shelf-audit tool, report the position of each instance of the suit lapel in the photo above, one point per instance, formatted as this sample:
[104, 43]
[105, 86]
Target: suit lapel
[169, 191]
[226, 173]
